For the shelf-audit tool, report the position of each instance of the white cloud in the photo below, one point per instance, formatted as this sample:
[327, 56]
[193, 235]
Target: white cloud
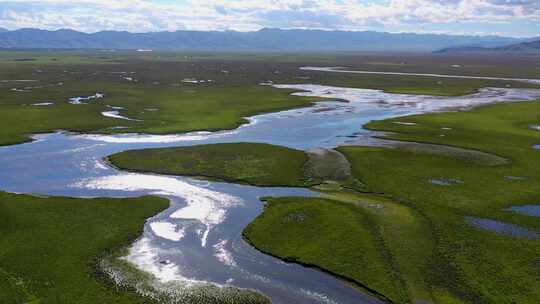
[141, 15]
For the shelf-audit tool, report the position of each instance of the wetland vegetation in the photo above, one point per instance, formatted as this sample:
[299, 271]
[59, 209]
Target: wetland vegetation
[411, 240]
[380, 225]
[162, 90]
[51, 247]
[256, 164]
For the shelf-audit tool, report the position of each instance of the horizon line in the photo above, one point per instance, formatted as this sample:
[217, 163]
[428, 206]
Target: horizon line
[281, 29]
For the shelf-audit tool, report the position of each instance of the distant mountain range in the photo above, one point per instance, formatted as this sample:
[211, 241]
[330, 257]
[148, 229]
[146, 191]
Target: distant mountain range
[265, 39]
[524, 48]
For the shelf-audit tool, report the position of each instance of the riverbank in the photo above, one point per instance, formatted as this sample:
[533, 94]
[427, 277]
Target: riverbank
[51, 247]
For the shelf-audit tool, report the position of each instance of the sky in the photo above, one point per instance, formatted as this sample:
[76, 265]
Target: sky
[518, 18]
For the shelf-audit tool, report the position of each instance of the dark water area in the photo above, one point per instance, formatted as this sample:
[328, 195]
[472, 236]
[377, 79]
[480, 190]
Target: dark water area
[531, 210]
[445, 181]
[504, 228]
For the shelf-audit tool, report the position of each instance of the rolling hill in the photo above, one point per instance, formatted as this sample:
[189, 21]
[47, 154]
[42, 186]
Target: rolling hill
[524, 48]
[264, 39]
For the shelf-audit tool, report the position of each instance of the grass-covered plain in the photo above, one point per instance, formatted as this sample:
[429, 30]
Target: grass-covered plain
[473, 265]
[153, 89]
[256, 164]
[50, 247]
[475, 65]
[249, 163]
[160, 109]
[412, 243]
[481, 266]
[352, 236]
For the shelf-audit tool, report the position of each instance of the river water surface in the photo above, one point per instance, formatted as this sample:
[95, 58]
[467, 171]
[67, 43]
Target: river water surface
[198, 239]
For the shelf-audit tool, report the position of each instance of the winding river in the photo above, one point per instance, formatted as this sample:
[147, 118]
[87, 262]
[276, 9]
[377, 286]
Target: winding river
[197, 240]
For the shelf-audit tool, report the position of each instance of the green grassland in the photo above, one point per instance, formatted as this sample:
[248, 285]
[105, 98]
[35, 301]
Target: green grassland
[409, 242]
[349, 235]
[50, 247]
[164, 104]
[483, 257]
[249, 163]
[256, 164]
[160, 109]
[475, 65]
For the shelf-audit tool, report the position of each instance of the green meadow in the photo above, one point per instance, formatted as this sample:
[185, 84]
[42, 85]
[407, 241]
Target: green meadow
[50, 247]
[427, 249]
[255, 164]
[392, 221]
[155, 91]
